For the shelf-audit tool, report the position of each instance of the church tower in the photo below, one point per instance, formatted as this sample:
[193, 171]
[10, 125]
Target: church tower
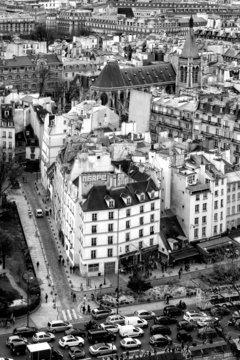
[189, 65]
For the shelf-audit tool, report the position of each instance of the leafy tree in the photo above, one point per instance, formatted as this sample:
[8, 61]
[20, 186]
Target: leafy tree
[6, 246]
[138, 284]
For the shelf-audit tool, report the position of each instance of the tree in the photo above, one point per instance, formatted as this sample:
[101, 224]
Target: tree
[6, 246]
[138, 284]
[44, 74]
[41, 33]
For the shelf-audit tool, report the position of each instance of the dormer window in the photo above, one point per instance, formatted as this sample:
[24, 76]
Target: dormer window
[126, 198]
[151, 194]
[142, 197]
[110, 201]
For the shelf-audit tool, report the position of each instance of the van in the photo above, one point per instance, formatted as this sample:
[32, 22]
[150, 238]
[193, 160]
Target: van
[58, 325]
[130, 331]
[99, 336]
[136, 321]
[39, 213]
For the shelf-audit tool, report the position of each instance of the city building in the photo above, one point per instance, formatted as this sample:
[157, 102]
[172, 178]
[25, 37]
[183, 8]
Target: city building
[7, 132]
[16, 23]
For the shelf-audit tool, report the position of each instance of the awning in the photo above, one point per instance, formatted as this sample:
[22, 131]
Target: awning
[149, 248]
[131, 253]
[212, 244]
[183, 254]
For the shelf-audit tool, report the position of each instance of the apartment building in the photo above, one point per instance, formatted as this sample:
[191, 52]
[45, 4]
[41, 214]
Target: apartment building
[7, 132]
[16, 23]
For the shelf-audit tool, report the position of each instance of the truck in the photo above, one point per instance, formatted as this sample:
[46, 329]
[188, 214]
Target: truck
[42, 351]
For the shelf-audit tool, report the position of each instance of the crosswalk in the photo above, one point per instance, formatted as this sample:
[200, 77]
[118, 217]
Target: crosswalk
[70, 315]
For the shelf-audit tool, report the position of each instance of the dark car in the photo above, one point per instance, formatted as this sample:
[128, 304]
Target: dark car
[165, 320]
[207, 333]
[185, 325]
[184, 336]
[56, 354]
[160, 329]
[18, 348]
[76, 332]
[100, 336]
[219, 311]
[159, 340]
[172, 310]
[76, 353]
[25, 331]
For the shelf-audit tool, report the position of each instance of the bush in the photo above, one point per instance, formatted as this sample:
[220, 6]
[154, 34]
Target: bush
[138, 284]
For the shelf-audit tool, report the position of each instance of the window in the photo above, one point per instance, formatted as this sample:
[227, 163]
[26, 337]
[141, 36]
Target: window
[110, 240]
[152, 218]
[233, 197]
[141, 233]
[196, 221]
[204, 219]
[205, 196]
[195, 233]
[110, 215]
[197, 197]
[233, 210]
[234, 187]
[141, 220]
[221, 215]
[228, 189]
[221, 228]
[216, 217]
[216, 204]
[128, 200]
[128, 212]
[32, 156]
[94, 229]
[191, 179]
[204, 231]
[196, 208]
[140, 245]
[127, 248]
[216, 193]
[228, 211]
[94, 217]
[111, 203]
[93, 267]
[215, 230]
[10, 135]
[221, 203]
[128, 224]
[228, 198]
[110, 252]
[94, 241]
[127, 236]
[204, 207]
[142, 197]
[110, 227]
[141, 209]
[151, 230]
[4, 134]
[93, 254]
[239, 196]
[152, 206]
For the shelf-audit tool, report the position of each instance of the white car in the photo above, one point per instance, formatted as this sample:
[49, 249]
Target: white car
[130, 331]
[145, 314]
[70, 340]
[206, 321]
[194, 316]
[115, 319]
[102, 349]
[43, 336]
[15, 339]
[114, 328]
[130, 343]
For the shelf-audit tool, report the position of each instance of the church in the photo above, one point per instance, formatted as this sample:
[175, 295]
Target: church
[113, 85]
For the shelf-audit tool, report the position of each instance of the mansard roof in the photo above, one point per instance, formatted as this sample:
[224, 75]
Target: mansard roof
[112, 77]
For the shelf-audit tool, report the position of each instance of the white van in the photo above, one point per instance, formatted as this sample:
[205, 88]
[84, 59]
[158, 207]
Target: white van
[130, 331]
[136, 321]
[39, 213]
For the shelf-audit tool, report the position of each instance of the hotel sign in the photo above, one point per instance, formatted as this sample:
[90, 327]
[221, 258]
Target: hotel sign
[94, 177]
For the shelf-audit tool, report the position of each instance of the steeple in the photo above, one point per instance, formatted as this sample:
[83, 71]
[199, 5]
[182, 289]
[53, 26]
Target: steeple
[190, 49]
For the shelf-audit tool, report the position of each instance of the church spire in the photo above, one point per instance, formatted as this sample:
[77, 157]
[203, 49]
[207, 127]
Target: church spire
[190, 49]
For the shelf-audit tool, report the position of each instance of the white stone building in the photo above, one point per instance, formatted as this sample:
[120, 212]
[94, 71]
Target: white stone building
[7, 132]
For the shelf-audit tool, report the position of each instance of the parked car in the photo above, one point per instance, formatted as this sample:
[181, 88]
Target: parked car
[114, 328]
[184, 336]
[207, 333]
[185, 325]
[115, 319]
[15, 338]
[130, 331]
[43, 336]
[160, 329]
[130, 343]
[100, 336]
[194, 316]
[102, 349]
[76, 353]
[101, 313]
[136, 321]
[207, 321]
[160, 340]
[76, 332]
[172, 310]
[165, 320]
[144, 314]
[70, 340]
[25, 331]
[219, 311]
[18, 348]
[58, 326]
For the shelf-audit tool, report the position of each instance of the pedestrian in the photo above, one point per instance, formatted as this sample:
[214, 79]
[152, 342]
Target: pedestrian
[63, 262]
[37, 264]
[89, 309]
[167, 299]
[50, 211]
[84, 299]
[59, 260]
[46, 298]
[179, 274]
[74, 297]
[83, 309]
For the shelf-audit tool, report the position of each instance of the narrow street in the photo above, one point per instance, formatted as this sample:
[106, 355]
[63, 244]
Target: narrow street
[59, 277]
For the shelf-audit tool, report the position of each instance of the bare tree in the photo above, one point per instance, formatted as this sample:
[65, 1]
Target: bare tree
[6, 246]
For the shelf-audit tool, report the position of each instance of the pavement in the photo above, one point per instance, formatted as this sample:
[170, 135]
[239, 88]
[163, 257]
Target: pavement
[81, 286]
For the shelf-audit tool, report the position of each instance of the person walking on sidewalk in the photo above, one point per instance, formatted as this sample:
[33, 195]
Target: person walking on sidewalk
[46, 298]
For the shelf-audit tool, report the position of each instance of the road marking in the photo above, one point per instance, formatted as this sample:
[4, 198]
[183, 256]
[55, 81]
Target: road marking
[69, 314]
[74, 314]
[64, 315]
